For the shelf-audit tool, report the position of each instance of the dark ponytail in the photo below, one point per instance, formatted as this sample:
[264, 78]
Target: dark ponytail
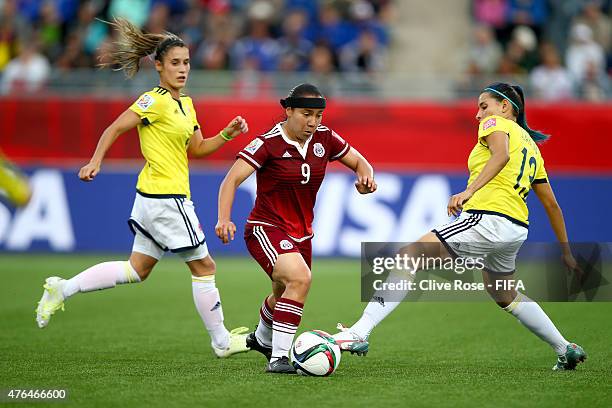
[515, 95]
[536, 135]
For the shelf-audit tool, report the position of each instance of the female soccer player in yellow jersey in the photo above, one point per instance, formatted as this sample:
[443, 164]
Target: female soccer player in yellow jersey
[163, 217]
[492, 222]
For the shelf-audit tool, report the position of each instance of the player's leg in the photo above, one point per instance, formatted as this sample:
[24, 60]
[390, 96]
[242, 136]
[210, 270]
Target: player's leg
[531, 315]
[13, 183]
[259, 244]
[354, 339]
[292, 272]
[207, 301]
[261, 339]
[101, 276]
[275, 252]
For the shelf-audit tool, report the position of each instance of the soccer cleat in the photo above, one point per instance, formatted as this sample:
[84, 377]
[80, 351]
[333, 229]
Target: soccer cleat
[281, 366]
[51, 301]
[574, 354]
[253, 344]
[349, 341]
[237, 343]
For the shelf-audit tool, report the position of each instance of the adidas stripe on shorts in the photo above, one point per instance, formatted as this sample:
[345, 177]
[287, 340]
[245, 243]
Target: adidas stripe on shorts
[266, 242]
[492, 237]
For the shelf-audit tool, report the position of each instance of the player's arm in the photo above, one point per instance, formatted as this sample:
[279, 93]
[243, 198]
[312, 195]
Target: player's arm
[126, 121]
[200, 147]
[555, 215]
[240, 171]
[500, 155]
[365, 173]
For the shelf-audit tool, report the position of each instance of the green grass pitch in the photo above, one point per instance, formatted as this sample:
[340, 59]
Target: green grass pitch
[144, 345]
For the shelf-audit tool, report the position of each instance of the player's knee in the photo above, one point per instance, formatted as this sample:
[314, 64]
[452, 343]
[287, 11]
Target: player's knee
[142, 265]
[203, 267]
[301, 282]
[143, 271]
[209, 265]
[503, 299]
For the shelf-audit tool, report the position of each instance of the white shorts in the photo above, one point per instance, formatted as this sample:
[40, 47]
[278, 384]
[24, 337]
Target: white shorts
[167, 223]
[494, 238]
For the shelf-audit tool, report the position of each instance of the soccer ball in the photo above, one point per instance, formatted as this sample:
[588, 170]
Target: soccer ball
[315, 353]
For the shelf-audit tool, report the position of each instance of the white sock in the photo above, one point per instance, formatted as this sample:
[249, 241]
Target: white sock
[101, 276]
[264, 334]
[286, 319]
[531, 315]
[264, 328]
[373, 314]
[208, 303]
[377, 309]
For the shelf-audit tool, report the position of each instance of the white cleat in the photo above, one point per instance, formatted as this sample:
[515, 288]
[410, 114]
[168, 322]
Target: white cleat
[51, 300]
[349, 341]
[237, 343]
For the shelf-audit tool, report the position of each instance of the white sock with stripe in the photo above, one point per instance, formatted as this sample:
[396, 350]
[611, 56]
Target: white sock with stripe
[208, 304]
[378, 308]
[286, 319]
[531, 315]
[264, 328]
[104, 275]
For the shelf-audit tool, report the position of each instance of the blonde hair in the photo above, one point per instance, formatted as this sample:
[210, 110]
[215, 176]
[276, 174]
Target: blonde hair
[133, 44]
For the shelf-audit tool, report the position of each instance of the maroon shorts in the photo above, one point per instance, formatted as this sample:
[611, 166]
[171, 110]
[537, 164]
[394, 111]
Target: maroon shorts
[266, 243]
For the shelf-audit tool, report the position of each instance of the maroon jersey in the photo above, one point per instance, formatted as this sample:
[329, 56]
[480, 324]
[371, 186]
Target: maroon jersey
[289, 177]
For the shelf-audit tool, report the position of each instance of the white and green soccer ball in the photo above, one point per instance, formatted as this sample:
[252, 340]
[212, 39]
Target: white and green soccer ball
[315, 353]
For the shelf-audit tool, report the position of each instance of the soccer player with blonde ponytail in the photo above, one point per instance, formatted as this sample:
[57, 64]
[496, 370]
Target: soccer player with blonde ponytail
[163, 217]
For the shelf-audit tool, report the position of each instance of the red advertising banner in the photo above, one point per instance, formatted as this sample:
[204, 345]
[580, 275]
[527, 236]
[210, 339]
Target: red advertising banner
[393, 135]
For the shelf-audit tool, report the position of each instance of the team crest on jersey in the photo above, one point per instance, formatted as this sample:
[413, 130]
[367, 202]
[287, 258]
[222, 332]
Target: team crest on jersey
[145, 102]
[284, 244]
[254, 146]
[489, 124]
[318, 149]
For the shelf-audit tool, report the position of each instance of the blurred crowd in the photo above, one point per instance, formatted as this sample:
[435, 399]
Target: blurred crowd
[564, 46]
[263, 35]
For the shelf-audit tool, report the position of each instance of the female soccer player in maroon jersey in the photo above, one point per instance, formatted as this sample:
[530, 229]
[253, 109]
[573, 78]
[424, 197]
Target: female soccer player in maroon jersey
[290, 161]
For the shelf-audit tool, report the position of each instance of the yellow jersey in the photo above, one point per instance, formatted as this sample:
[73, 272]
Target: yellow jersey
[166, 128]
[506, 193]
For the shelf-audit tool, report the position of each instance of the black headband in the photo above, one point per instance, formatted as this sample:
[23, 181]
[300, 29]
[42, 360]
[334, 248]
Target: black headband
[167, 43]
[309, 103]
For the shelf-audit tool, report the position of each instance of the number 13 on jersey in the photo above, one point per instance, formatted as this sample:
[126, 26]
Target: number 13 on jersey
[523, 188]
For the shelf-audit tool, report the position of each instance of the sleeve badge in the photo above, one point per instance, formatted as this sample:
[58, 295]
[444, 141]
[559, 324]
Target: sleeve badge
[145, 102]
[254, 145]
[489, 124]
